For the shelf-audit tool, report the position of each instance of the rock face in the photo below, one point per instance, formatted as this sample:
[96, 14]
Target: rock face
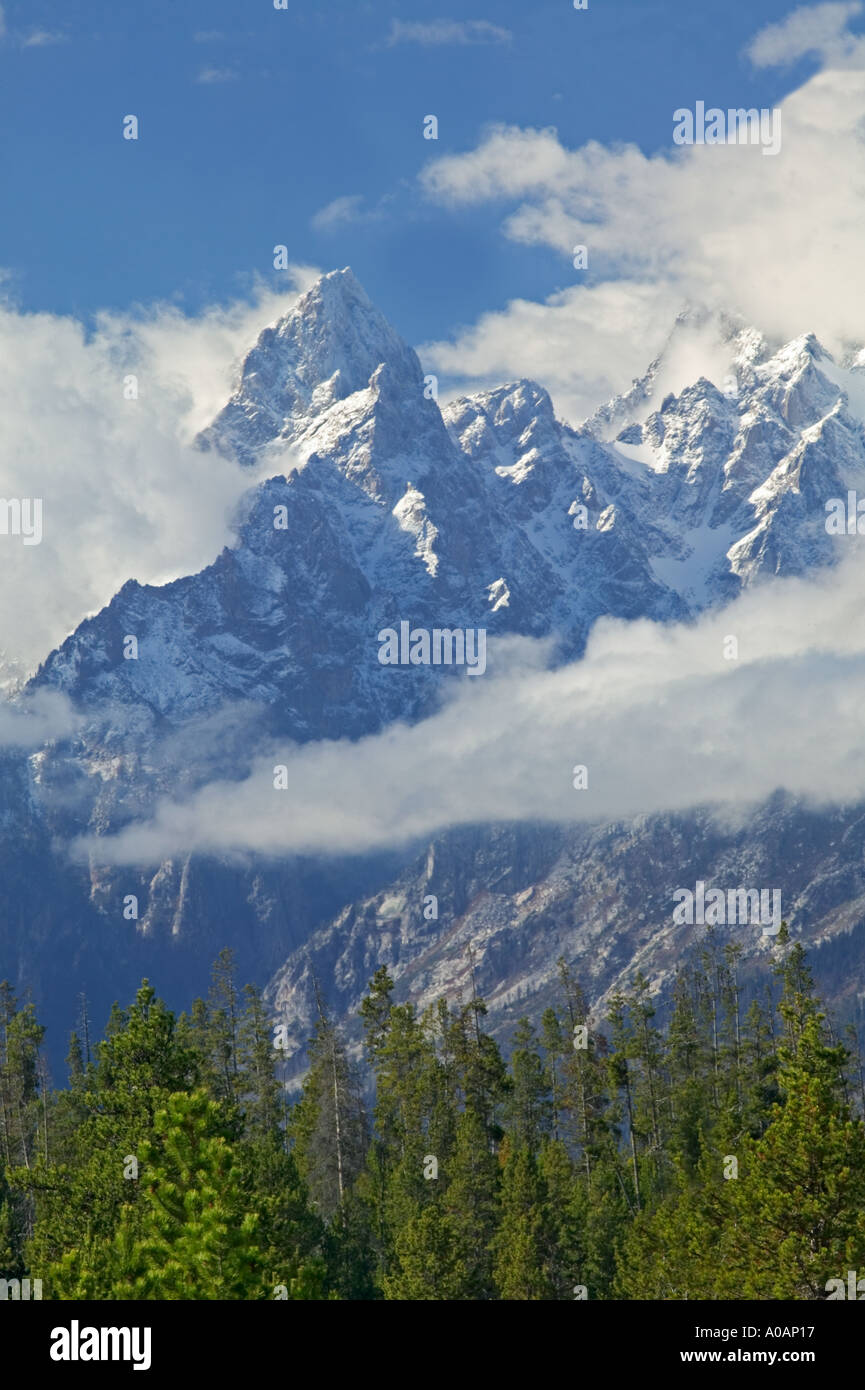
[512, 900]
[369, 506]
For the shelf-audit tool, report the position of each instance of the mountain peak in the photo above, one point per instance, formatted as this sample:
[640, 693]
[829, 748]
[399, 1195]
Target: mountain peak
[332, 287]
[331, 304]
[327, 347]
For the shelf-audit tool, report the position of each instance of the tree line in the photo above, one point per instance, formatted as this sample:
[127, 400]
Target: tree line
[719, 1156]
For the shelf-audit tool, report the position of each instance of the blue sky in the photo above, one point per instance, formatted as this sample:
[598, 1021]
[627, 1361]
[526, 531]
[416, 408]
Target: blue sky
[302, 107]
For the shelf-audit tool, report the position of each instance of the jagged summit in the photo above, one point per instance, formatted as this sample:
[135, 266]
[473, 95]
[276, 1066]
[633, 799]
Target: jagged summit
[392, 507]
[696, 335]
[325, 349]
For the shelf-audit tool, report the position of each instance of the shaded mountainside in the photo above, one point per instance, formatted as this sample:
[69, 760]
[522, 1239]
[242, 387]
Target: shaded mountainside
[512, 900]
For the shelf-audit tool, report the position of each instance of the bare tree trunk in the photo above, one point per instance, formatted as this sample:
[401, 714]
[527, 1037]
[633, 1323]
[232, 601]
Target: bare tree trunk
[43, 1083]
[85, 1023]
[585, 1116]
[336, 1116]
[633, 1138]
[23, 1133]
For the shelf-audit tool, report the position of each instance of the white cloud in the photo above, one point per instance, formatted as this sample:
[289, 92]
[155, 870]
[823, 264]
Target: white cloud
[509, 162]
[42, 38]
[208, 36]
[721, 226]
[657, 715]
[2, 22]
[435, 32]
[351, 208]
[209, 75]
[42, 717]
[582, 345]
[820, 29]
[345, 209]
[124, 493]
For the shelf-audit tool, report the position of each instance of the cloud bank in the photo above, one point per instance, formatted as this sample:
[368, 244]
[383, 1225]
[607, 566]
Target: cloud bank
[658, 716]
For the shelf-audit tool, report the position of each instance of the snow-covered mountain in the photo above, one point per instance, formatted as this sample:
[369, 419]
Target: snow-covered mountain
[393, 508]
[367, 506]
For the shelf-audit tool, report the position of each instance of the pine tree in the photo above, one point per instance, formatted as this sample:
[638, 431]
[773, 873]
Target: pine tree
[471, 1204]
[528, 1109]
[427, 1263]
[193, 1236]
[622, 1083]
[23, 1124]
[256, 1085]
[214, 1030]
[524, 1242]
[584, 1102]
[567, 1202]
[408, 1082]
[290, 1234]
[648, 1081]
[554, 1045]
[328, 1125]
[798, 1208]
[79, 1198]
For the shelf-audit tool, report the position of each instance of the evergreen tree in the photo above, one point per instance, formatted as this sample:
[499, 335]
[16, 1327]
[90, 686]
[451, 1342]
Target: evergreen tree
[427, 1264]
[258, 1090]
[193, 1236]
[23, 1123]
[471, 1204]
[524, 1243]
[79, 1198]
[798, 1209]
[567, 1202]
[529, 1107]
[328, 1125]
[721, 1158]
[214, 1031]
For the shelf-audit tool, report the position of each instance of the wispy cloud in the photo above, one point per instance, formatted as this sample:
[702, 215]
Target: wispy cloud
[347, 209]
[351, 208]
[208, 36]
[819, 29]
[208, 75]
[42, 38]
[436, 32]
[2, 22]
[38, 719]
